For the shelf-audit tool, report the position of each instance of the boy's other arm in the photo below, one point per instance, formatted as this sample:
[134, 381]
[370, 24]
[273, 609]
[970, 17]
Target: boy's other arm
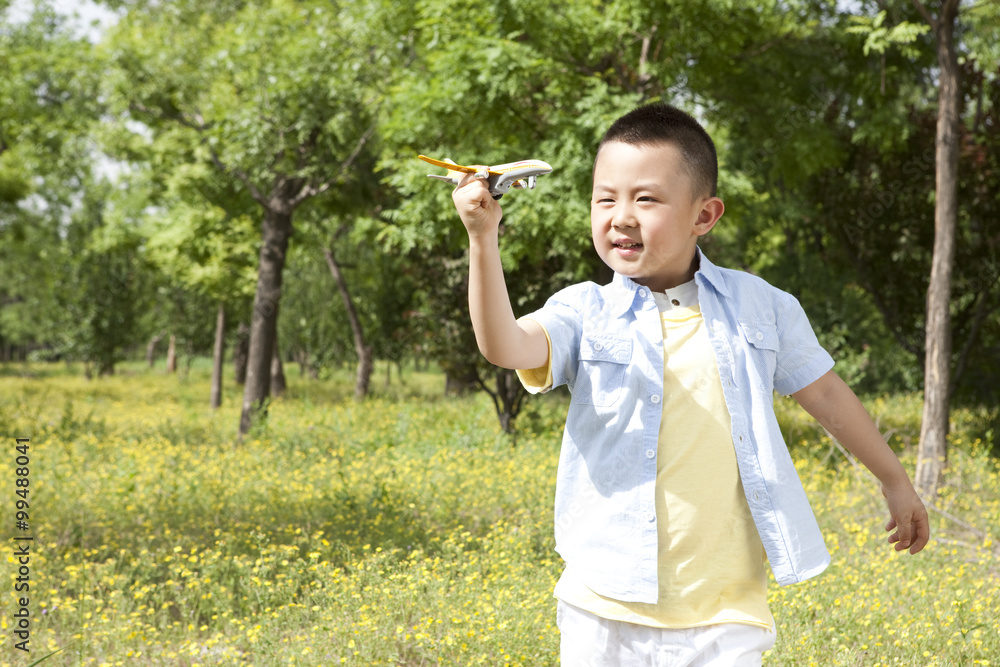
[838, 409]
[501, 338]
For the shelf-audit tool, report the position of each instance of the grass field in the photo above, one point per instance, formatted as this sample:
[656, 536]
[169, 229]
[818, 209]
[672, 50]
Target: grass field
[404, 530]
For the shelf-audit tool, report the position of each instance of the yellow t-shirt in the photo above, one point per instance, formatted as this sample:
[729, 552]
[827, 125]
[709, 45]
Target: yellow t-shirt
[711, 559]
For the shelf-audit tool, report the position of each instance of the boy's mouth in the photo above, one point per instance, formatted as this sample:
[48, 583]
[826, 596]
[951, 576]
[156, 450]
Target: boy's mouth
[627, 245]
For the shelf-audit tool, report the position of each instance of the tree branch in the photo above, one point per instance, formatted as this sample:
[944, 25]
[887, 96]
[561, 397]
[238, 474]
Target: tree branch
[950, 9]
[644, 75]
[306, 146]
[758, 50]
[197, 123]
[492, 394]
[312, 190]
[926, 14]
[257, 195]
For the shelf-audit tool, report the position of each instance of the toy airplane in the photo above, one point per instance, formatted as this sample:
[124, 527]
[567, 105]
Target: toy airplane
[501, 178]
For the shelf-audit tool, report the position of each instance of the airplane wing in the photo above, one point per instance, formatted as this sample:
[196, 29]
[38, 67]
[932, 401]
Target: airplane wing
[451, 166]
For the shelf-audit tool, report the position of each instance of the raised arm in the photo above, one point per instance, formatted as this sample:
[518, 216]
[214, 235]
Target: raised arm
[837, 408]
[501, 338]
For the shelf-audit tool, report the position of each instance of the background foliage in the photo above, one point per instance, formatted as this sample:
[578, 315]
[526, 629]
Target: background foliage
[129, 164]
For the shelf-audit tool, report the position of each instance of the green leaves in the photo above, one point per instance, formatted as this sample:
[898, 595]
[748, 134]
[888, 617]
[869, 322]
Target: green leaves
[879, 37]
[212, 109]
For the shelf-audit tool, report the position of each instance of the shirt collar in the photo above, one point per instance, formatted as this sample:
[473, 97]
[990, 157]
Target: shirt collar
[625, 291]
[710, 273]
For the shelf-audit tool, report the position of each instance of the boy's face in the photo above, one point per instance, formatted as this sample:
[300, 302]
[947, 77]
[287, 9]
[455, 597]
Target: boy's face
[643, 217]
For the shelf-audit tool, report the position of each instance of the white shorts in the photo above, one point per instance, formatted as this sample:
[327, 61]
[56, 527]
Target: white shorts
[591, 641]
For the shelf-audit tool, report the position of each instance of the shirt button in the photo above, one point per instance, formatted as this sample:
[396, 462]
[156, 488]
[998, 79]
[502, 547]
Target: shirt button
[598, 346]
[650, 453]
[759, 336]
[643, 292]
[655, 398]
[650, 516]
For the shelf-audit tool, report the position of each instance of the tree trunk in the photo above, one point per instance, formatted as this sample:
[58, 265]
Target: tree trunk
[364, 351]
[306, 367]
[217, 355]
[460, 379]
[278, 384]
[507, 398]
[151, 348]
[240, 353]
[275, 230]
[933, 448]
[172, 355]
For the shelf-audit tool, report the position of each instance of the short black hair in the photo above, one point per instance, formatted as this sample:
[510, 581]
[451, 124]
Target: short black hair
[663, 123]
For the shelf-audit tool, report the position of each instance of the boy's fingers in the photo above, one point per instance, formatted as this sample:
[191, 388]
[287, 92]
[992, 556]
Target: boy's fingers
[913, 534]
[467, 187]
[471, 180]
[923, 533]
[894, 537]
[905, 530]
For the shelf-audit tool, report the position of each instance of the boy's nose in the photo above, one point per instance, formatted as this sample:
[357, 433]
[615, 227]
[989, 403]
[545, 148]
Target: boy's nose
[623, 218]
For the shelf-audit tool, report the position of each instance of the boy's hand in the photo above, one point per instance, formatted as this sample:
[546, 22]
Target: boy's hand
[908, 518]
[836, 407]
[480, 213]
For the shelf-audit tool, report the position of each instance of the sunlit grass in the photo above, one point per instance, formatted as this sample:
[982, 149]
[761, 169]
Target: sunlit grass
[404, 530]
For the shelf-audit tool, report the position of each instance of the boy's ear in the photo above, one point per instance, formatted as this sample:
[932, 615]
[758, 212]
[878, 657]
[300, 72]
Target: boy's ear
[711, 210]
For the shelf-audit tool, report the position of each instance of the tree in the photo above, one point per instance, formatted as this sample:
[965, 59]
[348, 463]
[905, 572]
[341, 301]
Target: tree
[201, 237]
[546, 81]
[361, 347]
[937, 366]
[333, 227]
[109, 278]
[837, 181]
[280, 97]
[50, 107]
[867, 177]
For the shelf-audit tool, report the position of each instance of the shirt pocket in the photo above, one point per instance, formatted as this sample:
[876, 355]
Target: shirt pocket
[603, 362]
[762, 351]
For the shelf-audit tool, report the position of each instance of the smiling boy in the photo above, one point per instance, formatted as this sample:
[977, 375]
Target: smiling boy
[674, 482]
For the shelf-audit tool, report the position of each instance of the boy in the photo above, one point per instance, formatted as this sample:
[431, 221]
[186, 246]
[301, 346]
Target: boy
[674, 482]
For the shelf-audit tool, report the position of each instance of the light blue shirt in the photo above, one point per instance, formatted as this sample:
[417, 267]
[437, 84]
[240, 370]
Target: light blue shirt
[607, 346]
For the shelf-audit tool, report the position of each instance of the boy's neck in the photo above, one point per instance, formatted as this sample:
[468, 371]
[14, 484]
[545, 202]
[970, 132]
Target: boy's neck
[662, 283]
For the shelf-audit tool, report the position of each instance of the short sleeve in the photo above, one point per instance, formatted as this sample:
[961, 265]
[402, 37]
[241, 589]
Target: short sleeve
[562, 322]
[538, 380]
[801, 360]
